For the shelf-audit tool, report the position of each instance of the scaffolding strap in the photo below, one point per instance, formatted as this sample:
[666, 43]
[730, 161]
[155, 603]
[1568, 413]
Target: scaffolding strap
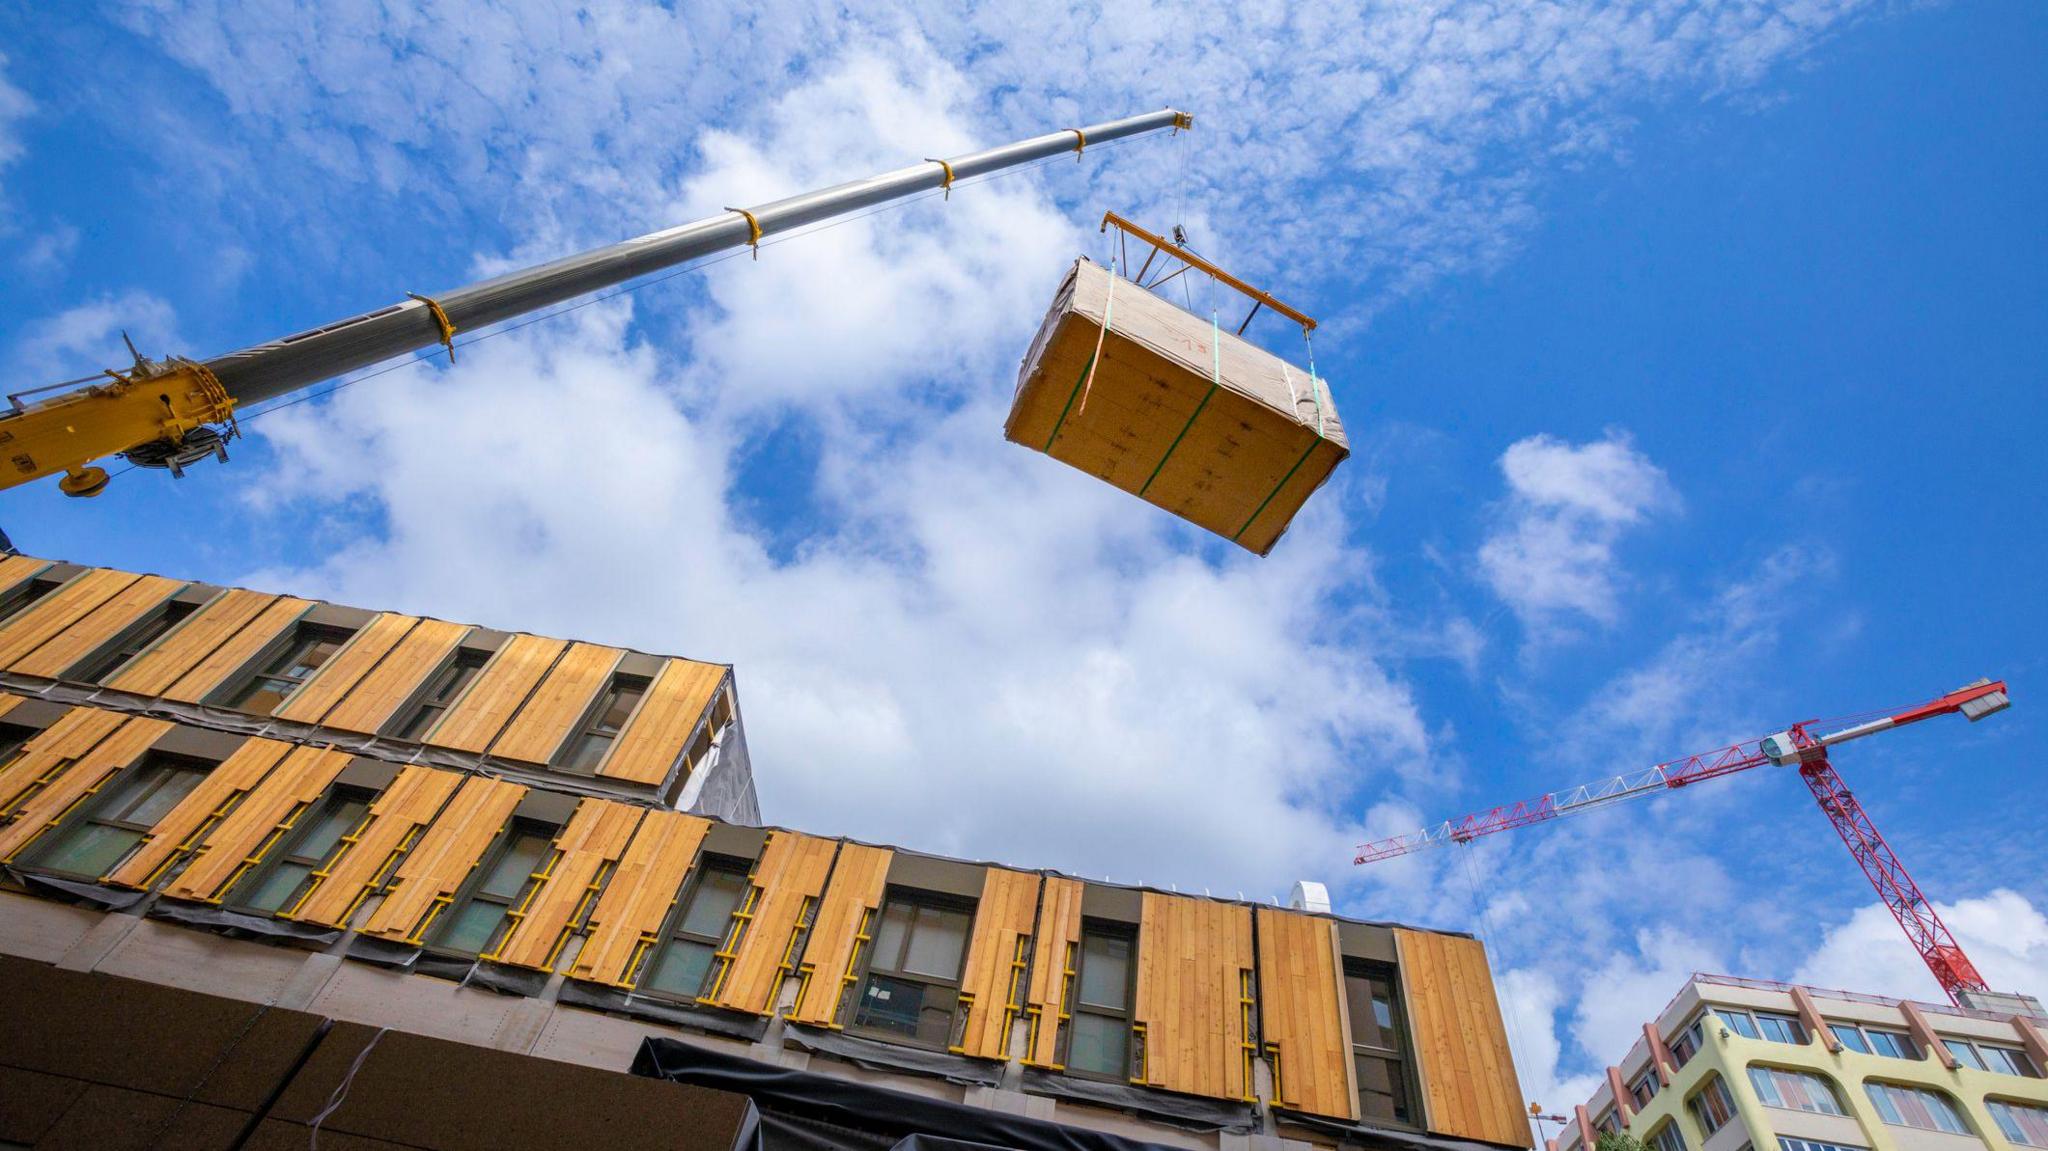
[1215, 381]
[441, 320]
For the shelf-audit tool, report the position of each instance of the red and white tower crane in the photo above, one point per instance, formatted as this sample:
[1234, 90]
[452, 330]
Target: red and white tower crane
[1798, 745]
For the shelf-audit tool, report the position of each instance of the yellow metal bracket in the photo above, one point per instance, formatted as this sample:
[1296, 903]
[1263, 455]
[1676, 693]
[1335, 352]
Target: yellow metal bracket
[945, 166]
[1183, 121]
[753, 230]
[441, 320]
[1080, 143]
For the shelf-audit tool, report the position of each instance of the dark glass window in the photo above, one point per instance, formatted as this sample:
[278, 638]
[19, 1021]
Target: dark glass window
[1645, 1088]
[279, 883]
[135, 642]
[1379, 1044]
[679, 966]
[1099, 1004]
[310, 647]
[25, 595]
[1712, 1107]
[94, 842]
[913, 976]
[1667, 1138]
[587, 747]
[441, 691]
[476, 923]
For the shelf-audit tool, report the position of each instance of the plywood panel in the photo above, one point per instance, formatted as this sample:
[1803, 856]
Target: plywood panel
[428, 877]
[377, 697]
[120, 612]
[789, 876]
[1002, 934]
[181, 648]
[179, 830]
[73, 759]
[661, 726]
[339, 675]
[852, 900]
[395, 820]
[557, 704]
[258, 823]
[499, 690]
[1468, 1078]
[213, 670]
[1059, 931]
[635, 904]
[1192, 957]
[1301, 1007]
[586, 850]
[18, 570]
[44, 619]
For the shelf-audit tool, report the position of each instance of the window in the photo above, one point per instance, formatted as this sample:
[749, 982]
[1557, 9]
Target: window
[1781, 1028]
[135, 642]
[1916, 1107]
[913, 975]
[289, 669]
[1739, 1022]
[1985, 1057]
[1379, 1045]
[12, 740]
[1796, 1090]
[1688, 1043]
[1965, 1054]
[1645, 1088]
[1712, 1106]
[474, 924]
[93, 844]
[444, 689]
[1894, 1044]
[1786, 1144]
[279, 884]
[1666, 1138]
[1851, 1036]
[2024, 1123]
[696, 933]
[587, 747]
[1609, 1121]
[1099, 1027]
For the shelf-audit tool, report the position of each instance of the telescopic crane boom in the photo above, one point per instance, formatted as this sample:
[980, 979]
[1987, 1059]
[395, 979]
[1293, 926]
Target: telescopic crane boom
[1798, 745]
[169, 413]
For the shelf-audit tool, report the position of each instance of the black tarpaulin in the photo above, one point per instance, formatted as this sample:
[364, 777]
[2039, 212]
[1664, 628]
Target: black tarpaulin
[242, 925]
[1381, 1137]
[76, 890]
[598, 997]
[891, 1057]
[1189, 1112]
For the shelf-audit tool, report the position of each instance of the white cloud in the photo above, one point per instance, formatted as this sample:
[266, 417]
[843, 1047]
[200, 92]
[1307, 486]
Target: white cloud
[85, 339]
[2003, 933]
[49, 251]
[15, 107]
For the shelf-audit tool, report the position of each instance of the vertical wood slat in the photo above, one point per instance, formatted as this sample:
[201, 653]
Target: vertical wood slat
[499, 690]
[97, 744]
[791, 869]
[452, 845]
[1301, 1003]
[660, 728]
[406, 806]
[595, 836]
[1191, 956]
[181, 648]
[217, 666]
[236, 774]
[340, 674]
[636, 903]
[121, 611]
[561, 699]
[1468, 1077]
[1002, 918]
[378, 695]
[1059, 924]
[217, 861]
[859, 878]
[45, 619]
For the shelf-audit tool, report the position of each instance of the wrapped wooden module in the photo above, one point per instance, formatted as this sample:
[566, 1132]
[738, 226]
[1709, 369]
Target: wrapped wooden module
[1179, 411]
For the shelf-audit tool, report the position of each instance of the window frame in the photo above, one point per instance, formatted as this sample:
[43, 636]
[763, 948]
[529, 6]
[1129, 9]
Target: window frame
[1950, 1105]
[1684, 1046]
[590, 726]
[471, 891]
[1786, 1143]
[114, 657]
[2017, 1058]
[287, 850]
[1669, 1127]
[277, 658]
[422, 702]
[115, 792]
[1715, 1085]
[919, 899]
[672, 930]
[1075, 1006]
[1402, 1060]
[1992, 1107]
[1827, 1085]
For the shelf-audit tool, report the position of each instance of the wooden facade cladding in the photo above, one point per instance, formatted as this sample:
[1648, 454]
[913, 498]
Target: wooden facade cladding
[557, 704]
[1059, 932]
[1469, 1087]
[212, 672]
[396, 820]
[427, 878]
[376, 697]
[200, 812]
[58, 610]
[785, 884]
[629, 916]
[181, 649]
[256, 825]
[1194, 968]
[845, 920]
[18, 570]
[499, 691]
[64, 765]
[586, 851]
[660, 728]
[1302, 1016]
[71, 640]
[340, 675]
[993, 979]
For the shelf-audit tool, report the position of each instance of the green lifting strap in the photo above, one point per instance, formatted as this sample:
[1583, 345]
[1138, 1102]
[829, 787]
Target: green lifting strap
[1215, 381]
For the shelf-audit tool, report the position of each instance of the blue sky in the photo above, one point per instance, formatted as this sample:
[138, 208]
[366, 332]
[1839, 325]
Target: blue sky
[1689, 355]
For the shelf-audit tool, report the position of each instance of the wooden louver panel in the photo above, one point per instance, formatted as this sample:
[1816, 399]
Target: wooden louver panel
[663, 723]
[499, 690]
[213, 670]
[560, 700]
[1059, 930]
[378, 695]
[217, 793]
[258, 823]
[1002, 934]
[1301, 1012]
[339, 675]
[120, 612]
[636, 902]
[786, 879]
[18, 570]
[1193, 956]
[50, 615]
[1469, 1087]
[853, 900]
[181, 648]
[587, 849]
[395, 818]
[433, 870]
[72, 759]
